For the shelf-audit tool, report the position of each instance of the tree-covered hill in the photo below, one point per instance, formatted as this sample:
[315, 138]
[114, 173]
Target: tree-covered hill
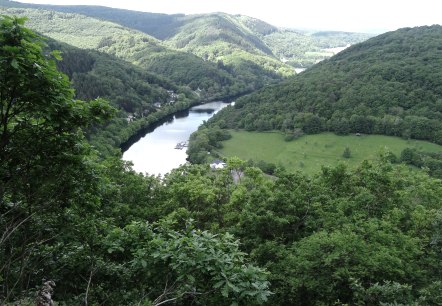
[390, 84]
[243, 71]
[139, 49]
[154, 24]
[94, 74]
[219, 37]
[199, 31]
[228, 41]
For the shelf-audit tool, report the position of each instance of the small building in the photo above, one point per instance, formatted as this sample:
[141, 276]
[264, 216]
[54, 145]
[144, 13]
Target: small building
[217, 164]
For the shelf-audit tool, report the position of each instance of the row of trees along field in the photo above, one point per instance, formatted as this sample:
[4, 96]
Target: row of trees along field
[95, 232]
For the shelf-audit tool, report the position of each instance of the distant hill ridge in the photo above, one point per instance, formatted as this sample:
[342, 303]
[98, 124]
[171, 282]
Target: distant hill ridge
[228, 33]
[138, 48]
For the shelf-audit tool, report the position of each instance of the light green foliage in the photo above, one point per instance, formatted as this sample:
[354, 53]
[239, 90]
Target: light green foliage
[319, 237]
[305, 49]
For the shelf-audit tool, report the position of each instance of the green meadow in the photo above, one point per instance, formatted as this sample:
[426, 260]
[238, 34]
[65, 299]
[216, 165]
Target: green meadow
[310, 152]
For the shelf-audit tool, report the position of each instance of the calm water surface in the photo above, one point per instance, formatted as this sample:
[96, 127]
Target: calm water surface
[155, 153]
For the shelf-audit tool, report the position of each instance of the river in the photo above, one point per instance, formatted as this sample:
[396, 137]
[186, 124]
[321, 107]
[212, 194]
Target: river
[155, 153]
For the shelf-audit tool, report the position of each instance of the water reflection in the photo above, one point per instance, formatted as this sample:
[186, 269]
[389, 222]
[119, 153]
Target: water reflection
[155, 153]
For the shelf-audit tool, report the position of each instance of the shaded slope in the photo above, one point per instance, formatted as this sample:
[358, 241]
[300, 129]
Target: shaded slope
[126, 86]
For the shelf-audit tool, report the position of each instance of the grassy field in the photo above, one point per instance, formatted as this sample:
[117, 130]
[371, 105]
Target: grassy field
[310, 152]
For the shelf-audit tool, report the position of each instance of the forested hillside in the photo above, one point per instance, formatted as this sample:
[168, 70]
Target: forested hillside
[140, 97]
[249, 45]
[300, 49]
[138, 48]
[81, 230]
[213, 79]
[390, 85]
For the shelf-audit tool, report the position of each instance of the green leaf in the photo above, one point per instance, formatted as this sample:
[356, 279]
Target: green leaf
[143, 263]
[225, 291]
[14, 63]
[57, 55]
[219, 284]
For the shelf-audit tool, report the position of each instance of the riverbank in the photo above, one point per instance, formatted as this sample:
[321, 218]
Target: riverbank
[118, 134]
[164, 147]
[141, 127]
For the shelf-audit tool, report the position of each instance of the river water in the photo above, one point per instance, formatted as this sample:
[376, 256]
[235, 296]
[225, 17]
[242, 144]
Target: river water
[155, 153]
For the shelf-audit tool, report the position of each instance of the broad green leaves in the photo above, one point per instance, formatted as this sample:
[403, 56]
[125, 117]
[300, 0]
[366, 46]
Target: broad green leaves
[189, 264]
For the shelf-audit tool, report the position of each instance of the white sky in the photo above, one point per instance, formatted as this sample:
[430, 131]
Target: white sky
[344, 15]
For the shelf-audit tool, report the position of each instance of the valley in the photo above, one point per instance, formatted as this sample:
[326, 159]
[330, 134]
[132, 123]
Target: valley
[326, 188]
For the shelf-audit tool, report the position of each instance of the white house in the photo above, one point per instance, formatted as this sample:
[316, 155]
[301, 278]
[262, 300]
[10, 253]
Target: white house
[218, 164]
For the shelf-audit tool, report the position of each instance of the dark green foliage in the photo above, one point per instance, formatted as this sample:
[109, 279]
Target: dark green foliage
[82, 223]
[107, 235]
[390, 85]
[346, 153]
[206, 140]
[46, 169]
[189, 266]
[426, 160]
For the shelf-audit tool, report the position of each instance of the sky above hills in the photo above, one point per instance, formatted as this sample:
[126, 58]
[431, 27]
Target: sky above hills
[344, 15]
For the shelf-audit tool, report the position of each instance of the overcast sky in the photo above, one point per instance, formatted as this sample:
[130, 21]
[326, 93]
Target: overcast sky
[344, 15]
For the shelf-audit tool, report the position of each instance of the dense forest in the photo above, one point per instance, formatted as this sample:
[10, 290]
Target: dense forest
[84, 230]
[389, 85]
